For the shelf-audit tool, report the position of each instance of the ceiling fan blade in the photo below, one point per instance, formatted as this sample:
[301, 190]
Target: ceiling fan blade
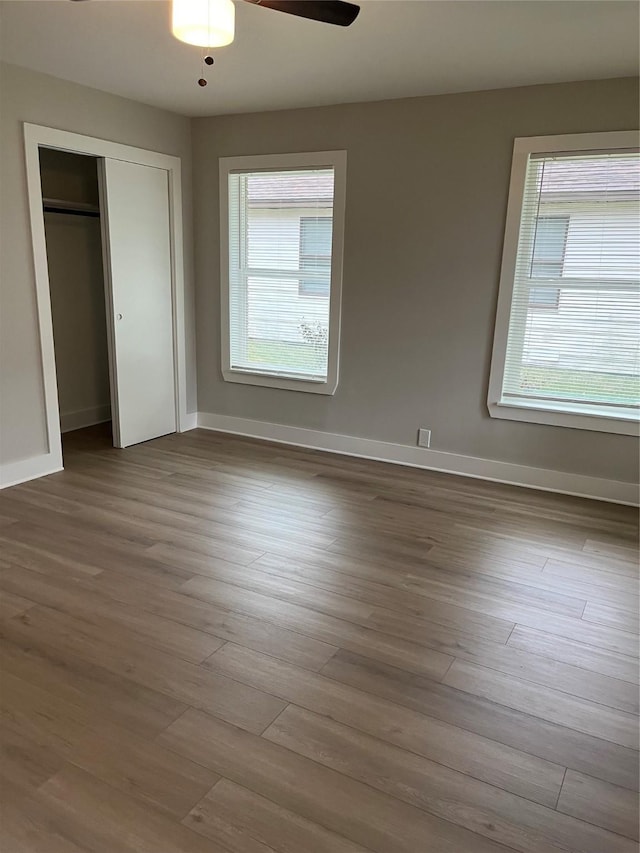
[330, 11]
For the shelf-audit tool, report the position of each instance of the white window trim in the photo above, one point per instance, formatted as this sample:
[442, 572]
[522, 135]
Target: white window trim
[310, 160]
[532, 411]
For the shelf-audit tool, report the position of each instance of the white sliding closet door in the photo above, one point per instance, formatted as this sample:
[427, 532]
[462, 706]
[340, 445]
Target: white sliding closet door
[136, 236]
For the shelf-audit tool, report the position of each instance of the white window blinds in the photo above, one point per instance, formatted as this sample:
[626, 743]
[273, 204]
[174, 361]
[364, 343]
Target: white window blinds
[280, 253]
[574, 332]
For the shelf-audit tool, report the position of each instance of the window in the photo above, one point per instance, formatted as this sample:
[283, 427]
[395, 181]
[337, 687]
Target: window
[572, 244]
[282, 221]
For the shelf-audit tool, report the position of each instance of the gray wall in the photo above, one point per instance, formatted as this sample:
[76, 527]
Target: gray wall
[76, 285]
[41, 99]
[426, 202]
[427, 185]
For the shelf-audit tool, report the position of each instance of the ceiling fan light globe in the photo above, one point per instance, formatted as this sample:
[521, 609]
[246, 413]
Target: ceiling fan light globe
[206, 23]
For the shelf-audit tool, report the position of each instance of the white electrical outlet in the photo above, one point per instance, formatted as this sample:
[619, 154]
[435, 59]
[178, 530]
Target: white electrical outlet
[424, 438]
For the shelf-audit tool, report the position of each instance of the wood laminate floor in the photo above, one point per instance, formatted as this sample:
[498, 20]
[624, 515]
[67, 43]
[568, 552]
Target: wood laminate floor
[217, 645]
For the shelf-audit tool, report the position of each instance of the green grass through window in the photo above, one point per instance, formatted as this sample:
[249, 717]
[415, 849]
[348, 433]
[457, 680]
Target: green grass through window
[582, 384]
[298, 356]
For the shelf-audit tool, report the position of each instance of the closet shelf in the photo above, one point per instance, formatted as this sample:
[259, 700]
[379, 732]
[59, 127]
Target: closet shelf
[77, 208]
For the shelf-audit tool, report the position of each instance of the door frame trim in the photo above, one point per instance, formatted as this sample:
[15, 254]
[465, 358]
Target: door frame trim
[36, 136]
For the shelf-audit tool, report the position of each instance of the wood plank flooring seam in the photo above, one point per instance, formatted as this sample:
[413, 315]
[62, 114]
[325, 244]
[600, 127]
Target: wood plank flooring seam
[600, 806]
[261, 794]
[506, 642]
[462, 727]
[560, 790]
[492, 817]
[410, 752]
[420, 714]
[523, 677]
[444, 674]
[465, 664]
[625, 658]
[117, 791]
[365, 784]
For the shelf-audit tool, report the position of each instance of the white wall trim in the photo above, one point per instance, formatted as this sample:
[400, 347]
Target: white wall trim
[84, 418]
[544, 479]
[191, 421]
[34, 137]
[14, 473]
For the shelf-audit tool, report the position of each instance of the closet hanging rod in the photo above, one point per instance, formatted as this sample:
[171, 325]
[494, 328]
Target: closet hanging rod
[54, 205]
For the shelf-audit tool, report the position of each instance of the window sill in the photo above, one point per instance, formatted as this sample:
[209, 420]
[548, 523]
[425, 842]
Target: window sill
[557, 415]
[287, 383]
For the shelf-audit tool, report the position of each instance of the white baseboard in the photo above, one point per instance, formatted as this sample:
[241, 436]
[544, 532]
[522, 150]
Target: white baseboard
[14, 473]
[84, 418]
[544, 479]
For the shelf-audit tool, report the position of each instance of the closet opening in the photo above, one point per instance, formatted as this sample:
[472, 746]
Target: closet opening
[74, 244]
[106, 229]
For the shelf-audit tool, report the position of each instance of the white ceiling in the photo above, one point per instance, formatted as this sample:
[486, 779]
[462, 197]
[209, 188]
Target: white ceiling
[396, 48]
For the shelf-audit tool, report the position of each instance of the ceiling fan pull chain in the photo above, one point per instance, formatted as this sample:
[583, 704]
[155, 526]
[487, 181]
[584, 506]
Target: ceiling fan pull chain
[207, 59]
[202, 80]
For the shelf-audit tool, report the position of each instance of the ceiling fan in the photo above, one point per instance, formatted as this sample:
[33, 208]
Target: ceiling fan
[211, 23]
